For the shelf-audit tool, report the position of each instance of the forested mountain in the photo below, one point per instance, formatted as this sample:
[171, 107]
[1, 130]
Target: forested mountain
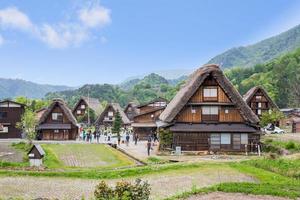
[280, 77]
[137, 90]
[11, 88]
[260, 52]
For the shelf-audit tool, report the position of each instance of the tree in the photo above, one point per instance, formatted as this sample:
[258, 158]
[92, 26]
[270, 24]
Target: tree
[117, 124]
[271, 117]
[84, 118]
[28, 124]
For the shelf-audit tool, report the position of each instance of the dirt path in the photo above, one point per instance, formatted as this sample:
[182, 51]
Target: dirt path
[9, 154]
[233, 196]
[162, 185]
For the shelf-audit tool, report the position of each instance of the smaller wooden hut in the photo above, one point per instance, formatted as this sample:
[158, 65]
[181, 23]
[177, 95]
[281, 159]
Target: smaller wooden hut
[36, 155]
[57, 122]
[296, 125]
[107, 117]
[259, 101]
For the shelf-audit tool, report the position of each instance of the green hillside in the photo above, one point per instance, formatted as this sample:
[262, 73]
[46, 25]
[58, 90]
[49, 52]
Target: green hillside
[280, 77]
[137, 90]
[11, 88]
[260, 52]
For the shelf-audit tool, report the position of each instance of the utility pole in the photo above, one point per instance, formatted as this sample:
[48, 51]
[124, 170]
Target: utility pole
[88, 110]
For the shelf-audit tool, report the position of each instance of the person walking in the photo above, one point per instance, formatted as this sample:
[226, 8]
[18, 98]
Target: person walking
[84, 135]
[135, 137]
[127, 139]
[148, 147]
[98, 136]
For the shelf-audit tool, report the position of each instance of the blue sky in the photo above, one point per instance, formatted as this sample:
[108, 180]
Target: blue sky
[73, 42]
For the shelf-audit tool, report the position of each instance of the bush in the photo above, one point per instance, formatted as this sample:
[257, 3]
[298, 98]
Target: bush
[123, 191]
[290, 145]
[166, 139]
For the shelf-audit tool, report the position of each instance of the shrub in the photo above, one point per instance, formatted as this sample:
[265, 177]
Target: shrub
[166, 139]
[290, 145]
[123, 191]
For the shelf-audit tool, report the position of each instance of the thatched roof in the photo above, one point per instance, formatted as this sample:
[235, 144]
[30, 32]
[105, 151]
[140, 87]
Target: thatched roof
[116, 107]
[159, 99]
[194, 82]
[248, 96]
[66, 110]
[92, 103]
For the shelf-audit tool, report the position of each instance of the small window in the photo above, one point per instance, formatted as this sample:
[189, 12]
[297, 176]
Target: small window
[225, 138]
[82, 106]
[226, 110]
[78, 112]
[56, 131]
[210, 92]
[193, 110]
[259, 105]
[258, 97]
[4, 129]
[3, 115]
[244, 138]
[259, 111]
[215, 141]
[110, 114]
[57, 116]
[210, 110]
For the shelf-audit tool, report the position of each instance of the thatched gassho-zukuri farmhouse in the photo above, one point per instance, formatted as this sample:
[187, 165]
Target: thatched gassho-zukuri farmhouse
[57, 122]
[106, 118]
[259, 101]
[208, 114]
[84, 103]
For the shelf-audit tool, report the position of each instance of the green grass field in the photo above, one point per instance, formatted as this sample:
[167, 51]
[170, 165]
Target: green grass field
[84, 156]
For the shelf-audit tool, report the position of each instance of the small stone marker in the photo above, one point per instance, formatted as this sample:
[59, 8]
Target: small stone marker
[178, 150]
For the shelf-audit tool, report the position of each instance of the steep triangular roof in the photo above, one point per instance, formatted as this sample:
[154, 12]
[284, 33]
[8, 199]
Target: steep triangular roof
[194, 82]
[248, 96]
[92, 103]
[116, 107]
[67, 111]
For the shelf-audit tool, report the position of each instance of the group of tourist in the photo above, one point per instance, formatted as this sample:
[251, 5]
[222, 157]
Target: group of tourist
[92, 135]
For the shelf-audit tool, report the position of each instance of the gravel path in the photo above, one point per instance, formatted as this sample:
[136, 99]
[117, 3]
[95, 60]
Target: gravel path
[9, 154]
[162, 185]
[233, 196]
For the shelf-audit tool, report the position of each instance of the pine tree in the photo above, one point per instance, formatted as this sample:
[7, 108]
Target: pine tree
[117, 125]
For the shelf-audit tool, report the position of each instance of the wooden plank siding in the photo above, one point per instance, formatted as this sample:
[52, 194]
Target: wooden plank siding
[186, 115]
[233, 115]
[198, 96]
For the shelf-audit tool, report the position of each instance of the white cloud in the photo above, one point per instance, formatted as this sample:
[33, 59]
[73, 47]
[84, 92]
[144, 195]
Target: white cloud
[61, 34]
[13, 18]
[95, 16]
[1, 40]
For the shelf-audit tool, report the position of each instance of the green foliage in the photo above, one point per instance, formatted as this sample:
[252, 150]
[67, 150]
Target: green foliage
[280, 77]
[285, 167]
[89, 113]
[166, 139]
[275, 146]
[260, 52]
[137, 90]
[123, 191]
[271, 117]
[117, 124]
[33, 104]
[28, 124]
